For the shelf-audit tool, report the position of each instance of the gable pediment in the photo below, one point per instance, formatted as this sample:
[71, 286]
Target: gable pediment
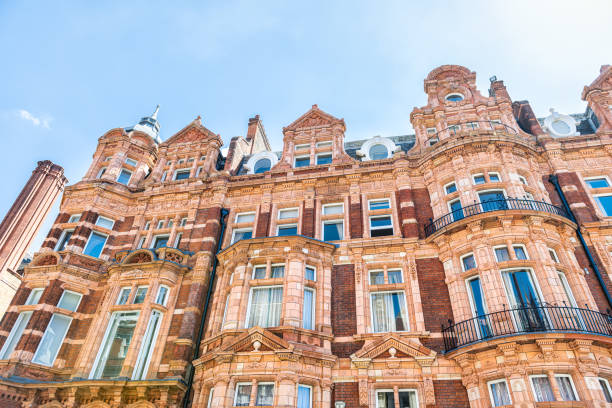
[194, 132]
[315, 117]
[258, 339]
[393, 346]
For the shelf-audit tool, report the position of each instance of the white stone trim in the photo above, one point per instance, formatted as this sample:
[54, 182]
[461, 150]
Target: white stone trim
[364, 150]
[250, 164]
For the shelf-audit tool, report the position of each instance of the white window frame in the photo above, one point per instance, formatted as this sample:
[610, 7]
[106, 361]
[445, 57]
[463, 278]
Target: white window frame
[371, 217]
[238, 215]
[272, 266]
[144, 299]
[471, 295]
[551, 251]
[103, 245]
[312, 306]
[379, 200]
[141, 242]
[61, 343]
[491, 190]
[524, 250]
[385, 390]
[106, 219]
[326, 143]
[240, 230]
[477, 175]
[489, 383]
[302, 146]
[301, 157]
[248, 314]
[332, 221]
[534, 281]
[607, 384]
[73, 293]
[238, 384]
[400, 270]
[445, 187]
[600, 205]
[377, 292]
[190, 160]
[227, 298]
[177, 171]
[147, 225]
[61, 239]
[183, 222]
[323, 154]
[127, 300]
[198, 171]
[571, 380]
[181, 161]
[177, 239]
[13, 333]
[370, 272]
[454, 94]
[144, 357]
[465, 256]
[101, 172]
[282, 210]
[165, 302]
[325, 206]
[264, 266]
[129, 178]
[315, 272]
[495, 253]
[160, 224]
[498, 176]
[533, 388]
[431, 131]
[310, 394]
[164, 175]
[131, 162]
[567, 289]
[587, 179]
[523, 180]
[279, 226]
[32, 295]
[155, 237]
[74, 218]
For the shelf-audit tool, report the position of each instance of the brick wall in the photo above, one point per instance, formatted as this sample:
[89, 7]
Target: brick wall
[207, 224]
[263, 225]
[355, 218]
[347, 392]
[55, 232]
[81, 233]
[9, 318]
[344, 350]
[434, 293]
[575, 193]
[591, 278]
[343, 308]
[552, 192]
[422, 208]
[308, 221]
[450, 394]
[413, 218]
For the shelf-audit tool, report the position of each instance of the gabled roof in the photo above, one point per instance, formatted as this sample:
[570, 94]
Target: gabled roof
[193, 132]
[314, 117]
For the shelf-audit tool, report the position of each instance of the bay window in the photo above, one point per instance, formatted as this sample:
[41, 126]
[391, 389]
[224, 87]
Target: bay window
[141, 293]
[124, 176]
[389, 313]
[264, 395]
[64, 239]
[95, 244]
[124, 295]
[34, 296]
[311, 273]
[148, 343]
[265, 305]
[105, 222]
[115, 345]
[162, 295]
[542, 389]
[605, 388]
[566, 387]
[52, 339]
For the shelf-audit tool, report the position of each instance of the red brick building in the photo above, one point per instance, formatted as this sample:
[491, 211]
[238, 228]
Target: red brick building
[466, 265]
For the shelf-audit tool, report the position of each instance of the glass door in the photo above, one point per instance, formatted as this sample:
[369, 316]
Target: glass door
[479, 309]
[525, 302]
[456, 210]
[492, 200]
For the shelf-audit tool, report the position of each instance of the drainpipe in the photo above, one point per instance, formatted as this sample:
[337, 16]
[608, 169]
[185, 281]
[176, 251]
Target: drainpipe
[196, 352]
[553, 179]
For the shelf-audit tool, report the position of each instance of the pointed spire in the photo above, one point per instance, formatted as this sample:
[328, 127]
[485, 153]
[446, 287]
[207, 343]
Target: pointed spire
[149, 125]
[154, 115]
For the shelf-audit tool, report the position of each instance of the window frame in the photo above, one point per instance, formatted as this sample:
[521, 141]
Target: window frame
[143, 359]
[328, 205]
[131, 162]
[31, 296]
[326, 154]
[73, 293]
[462, 257]
[496, 247]
[249, 304]
[555, 258]
[379, 200]
[604, 177]
[182, 171]
[478, 175]
[72, 216]
[15, 330]
[255, 267]
[61, 343]
[257, 392]
[309, 394]
[514, 246]
[144, 299]
[401, 272]
[296, 158]
[101, 172]
[600, 205]
[235, 230]
[377, 292]
[377, 271]
[302, 146]
[447, 96]
[156, 237]
[127, 299]
[523, 180]
[238, 215]
[391, 390]
[447, 185]
[533, 389]
[312, 308]
[123, 169]
[385, 227]
[281, 210]
[159, 289]
[499, 178]
[332, 221]
[290, 225]
[314, 269]
[571, 380]
[325, 143]
[61, 239]
[490, 389]
[103, 245]
[608, 387]
[237, 386]
[101, 217]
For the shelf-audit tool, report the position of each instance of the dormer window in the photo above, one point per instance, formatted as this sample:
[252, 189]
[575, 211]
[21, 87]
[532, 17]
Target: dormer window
[454, 97]
[182, 174]
[378, 152]
[261, 162]
[377, 148]
[262, 165]
[302, 161]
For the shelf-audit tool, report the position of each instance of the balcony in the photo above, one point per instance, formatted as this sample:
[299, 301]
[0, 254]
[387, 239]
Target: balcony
[467, 127]
[493, 205]
[525, 320]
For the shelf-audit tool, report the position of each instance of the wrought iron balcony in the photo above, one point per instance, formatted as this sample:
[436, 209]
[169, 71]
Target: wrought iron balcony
[523, 320]
[492, 205]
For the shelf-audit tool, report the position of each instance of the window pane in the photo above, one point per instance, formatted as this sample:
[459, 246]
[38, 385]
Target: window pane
[565, 388]
[285, 230]
[64, 240]
[451, 188]
[131, 162]
[124, 176]
[333, 231]
[493, 177]
[385, 399]
[266, 304]
[378, 152]
[105, 222]
[262, 165]
[310, 273]
[182, 174]
[324, 159]
[15, 335]
[501, 254]
[606, 389]
[307, 313]
[469, 262]
[553, 255]
[456, 210]
[389, 312]
[289, 213]
[542, 389]
[69, 301]
[500, 394]
[95, 244]
[144, 356]
[520, 253]
[248, 217]
[141, 292]
[379, 204]
[52, 340]
[34, 296]
[395, 276]
[115, 346]
[493, 201]
[75, 218]
[605, 202]
[407, 399]
[259, 272]
[303, 397]
[302, 161]
[265, 395]
[243, 234]
[333, 209]
[278, 271]
[243, 395]
[162, 295]
[124, 296]
[479, 179]
[160, 241]
[598, 183]
[381, 226]
[377, 278]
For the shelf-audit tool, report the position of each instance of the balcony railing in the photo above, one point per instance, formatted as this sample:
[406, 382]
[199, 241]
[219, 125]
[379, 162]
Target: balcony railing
[473, 125]
[492, 205]
[540, 318]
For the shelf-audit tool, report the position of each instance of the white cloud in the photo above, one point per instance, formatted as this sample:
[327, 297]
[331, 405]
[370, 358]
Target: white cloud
[39, 122]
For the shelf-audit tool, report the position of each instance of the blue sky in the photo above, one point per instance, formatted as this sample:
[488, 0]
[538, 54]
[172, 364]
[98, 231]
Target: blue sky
[72, 70]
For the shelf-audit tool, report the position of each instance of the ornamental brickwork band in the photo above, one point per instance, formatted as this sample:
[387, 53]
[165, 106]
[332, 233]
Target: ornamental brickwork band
[465, 265]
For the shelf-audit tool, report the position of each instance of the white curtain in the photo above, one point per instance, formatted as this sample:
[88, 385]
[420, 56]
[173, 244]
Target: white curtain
[243, 395]
[307, 317]
[395, 276]
[303, 397]
[542, 389]
[389, 312]
[266, 304]
[265, 395]
[500, 394]
[408, 399]
[565, 388]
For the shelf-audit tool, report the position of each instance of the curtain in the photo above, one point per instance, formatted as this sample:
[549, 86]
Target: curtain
[303, 397]
[542, 389]
[307, 317]
[395, 276]
[243, 395]
[565, 388]
[389, 312]
[265, 395]
[385, 399]
[500, 394]
[408, 399]
[278, 271]
[266, 304]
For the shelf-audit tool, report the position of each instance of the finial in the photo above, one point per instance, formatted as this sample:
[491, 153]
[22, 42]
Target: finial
[315, 106]
[154, 115]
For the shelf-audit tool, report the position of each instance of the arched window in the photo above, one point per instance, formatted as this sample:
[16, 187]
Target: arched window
[454, 97]
[378, 152]
[262, 165]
